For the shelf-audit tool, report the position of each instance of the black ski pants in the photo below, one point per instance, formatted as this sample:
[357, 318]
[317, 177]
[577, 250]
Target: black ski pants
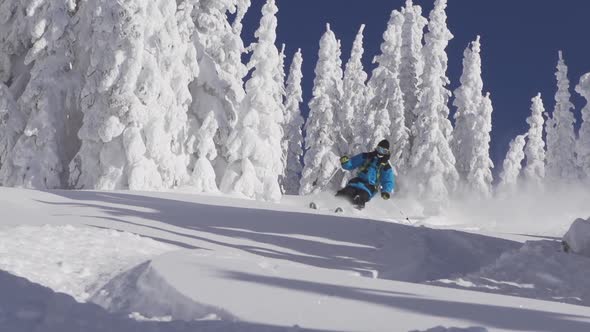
[351, 192]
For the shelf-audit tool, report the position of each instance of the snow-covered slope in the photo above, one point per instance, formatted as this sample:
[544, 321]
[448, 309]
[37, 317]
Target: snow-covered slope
[216, 263]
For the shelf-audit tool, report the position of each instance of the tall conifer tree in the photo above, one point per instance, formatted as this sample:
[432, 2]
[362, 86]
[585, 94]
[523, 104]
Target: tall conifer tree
[432, 160]
[321, 152]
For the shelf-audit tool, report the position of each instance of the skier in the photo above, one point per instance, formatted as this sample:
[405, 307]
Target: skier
[375, 174]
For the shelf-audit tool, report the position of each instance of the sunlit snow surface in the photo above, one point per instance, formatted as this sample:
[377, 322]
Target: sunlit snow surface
[184, 262]
[73, 260]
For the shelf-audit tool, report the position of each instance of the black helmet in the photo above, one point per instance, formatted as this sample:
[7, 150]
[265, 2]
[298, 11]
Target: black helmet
[384, 144]
[383, 148]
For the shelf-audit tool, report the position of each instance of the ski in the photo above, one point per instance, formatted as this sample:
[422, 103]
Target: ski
[314, 206]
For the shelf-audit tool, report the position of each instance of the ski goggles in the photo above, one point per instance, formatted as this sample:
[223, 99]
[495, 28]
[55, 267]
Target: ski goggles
[382, 151]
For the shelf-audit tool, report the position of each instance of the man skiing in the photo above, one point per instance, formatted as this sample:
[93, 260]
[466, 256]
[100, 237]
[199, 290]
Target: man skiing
[375, 174]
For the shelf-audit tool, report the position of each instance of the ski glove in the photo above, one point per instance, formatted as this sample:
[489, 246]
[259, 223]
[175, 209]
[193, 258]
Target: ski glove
[385, 195]
[344, 160]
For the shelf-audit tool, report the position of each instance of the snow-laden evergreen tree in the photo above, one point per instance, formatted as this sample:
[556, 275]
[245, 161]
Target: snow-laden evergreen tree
[17, 21]
[7, 108]
[293, 126]
[512, 165]
[203, 175]
[385, 113]
[254, 147]
[412, 60]
[14, 40]
[280, 75]
[473, 124]
[479, 177]
[12, 123]
[352, 117]
[219, 87]
[432, 160]
[240, 8]
[583, 143]
[280, 78]
[321, 153]
[534, 171]
[42, 152]
[135, 97]
[5, 67]
[468, 98]
[561, 138]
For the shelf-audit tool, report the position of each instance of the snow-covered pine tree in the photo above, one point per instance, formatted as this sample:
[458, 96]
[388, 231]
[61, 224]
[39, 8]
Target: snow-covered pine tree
[203, 175]
[432, 160]
[5, 67]
[48, 102]
[354, 100]
[219, 87]
[468, 97]
[479, 178]
[321, 154]
[293, 126]
[280, 75]
[534, 171]
[16, 24]
[280, 78]
[254, 147]
[561, 138]
[385, 112]
[473, 123]
[135, 96]
[412, 60]
[240, 8]
[583, 143]
[15, 39]
[12, 123]
[512, 165]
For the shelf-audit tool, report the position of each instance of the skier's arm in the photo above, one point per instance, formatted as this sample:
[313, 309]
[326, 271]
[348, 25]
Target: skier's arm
[352, 163]
[387, 180]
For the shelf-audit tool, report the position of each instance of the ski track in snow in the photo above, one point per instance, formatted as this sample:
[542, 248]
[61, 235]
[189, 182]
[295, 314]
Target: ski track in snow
[83, 244]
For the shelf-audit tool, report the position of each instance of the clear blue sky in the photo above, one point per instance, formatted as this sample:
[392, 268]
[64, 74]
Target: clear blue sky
[520, 41]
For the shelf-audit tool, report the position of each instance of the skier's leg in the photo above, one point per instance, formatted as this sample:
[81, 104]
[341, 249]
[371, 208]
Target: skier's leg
[365, 197]
[565, 246]
[346, 192]
[361, 197]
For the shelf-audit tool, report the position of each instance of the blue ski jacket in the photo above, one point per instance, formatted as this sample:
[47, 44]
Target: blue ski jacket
[374, 173]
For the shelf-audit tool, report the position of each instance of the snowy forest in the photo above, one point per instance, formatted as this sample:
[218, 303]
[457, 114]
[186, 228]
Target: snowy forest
[156, 95]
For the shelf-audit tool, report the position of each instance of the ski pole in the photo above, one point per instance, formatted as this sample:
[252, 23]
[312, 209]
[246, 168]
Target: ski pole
[402, 213]
[333, 174]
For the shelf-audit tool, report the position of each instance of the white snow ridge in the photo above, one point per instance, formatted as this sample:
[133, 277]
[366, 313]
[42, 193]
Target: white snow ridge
[74, 260]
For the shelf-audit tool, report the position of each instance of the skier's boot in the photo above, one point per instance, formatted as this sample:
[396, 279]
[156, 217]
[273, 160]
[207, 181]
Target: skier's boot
[342, 192]
[565, 246]
[358, 202]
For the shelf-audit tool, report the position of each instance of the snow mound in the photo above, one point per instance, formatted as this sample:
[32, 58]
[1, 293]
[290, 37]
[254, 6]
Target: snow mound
[538, 270]
[577, 237]
[25, 306]
[72, 259]
[144, 293]
[423, 254]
